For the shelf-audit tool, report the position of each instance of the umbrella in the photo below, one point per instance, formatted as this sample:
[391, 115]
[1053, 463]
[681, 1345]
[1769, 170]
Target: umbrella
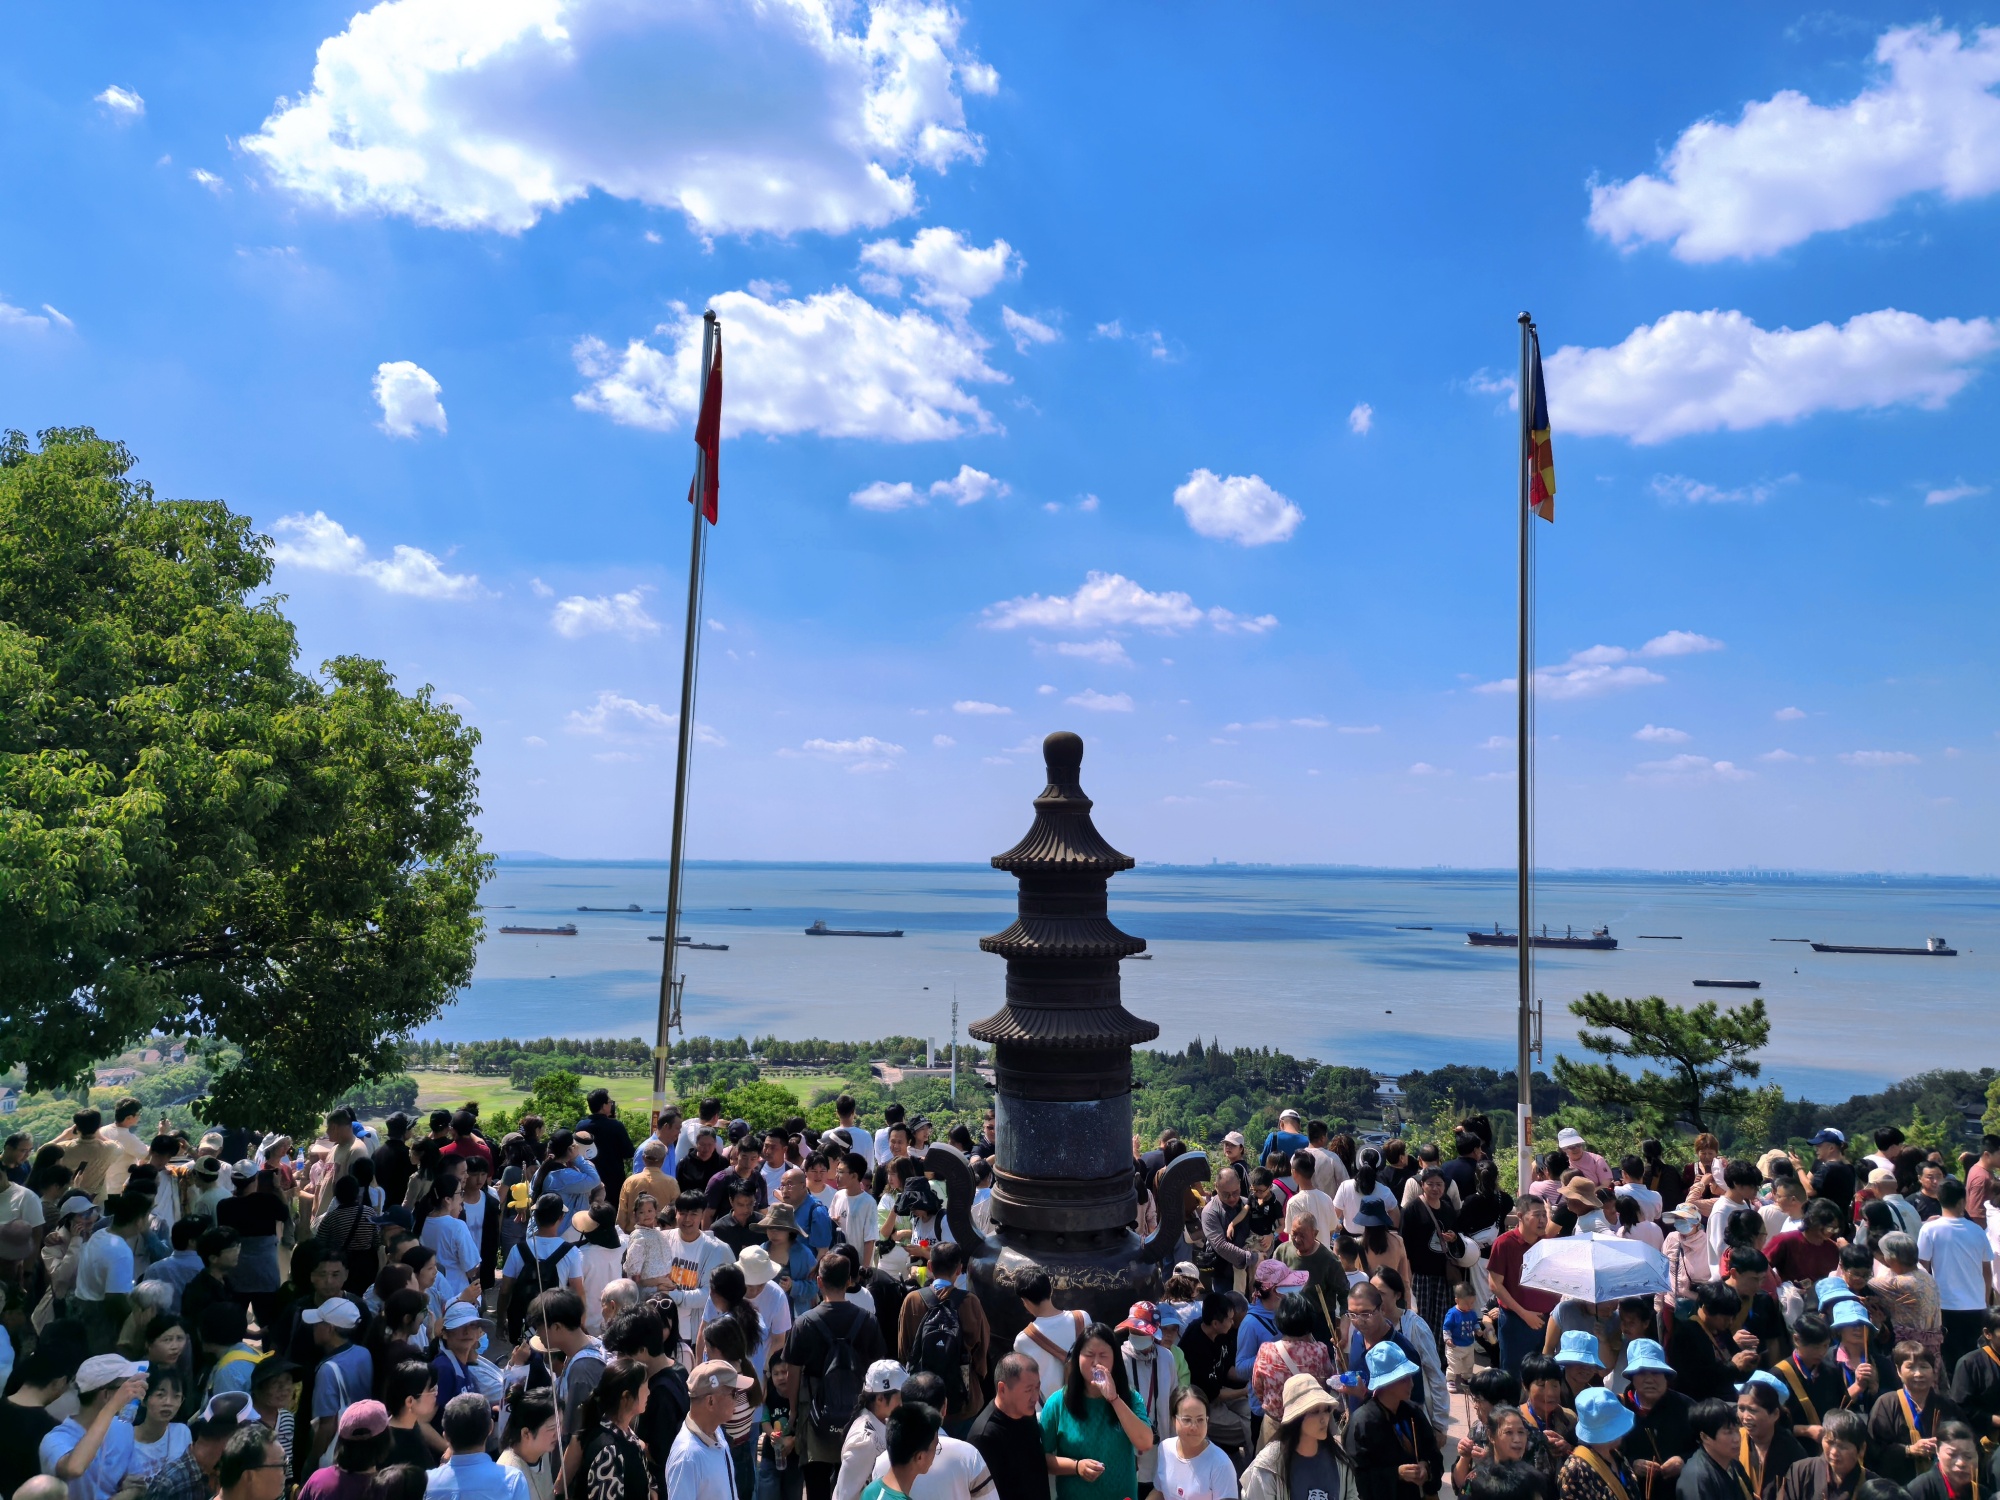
[1596, 1268]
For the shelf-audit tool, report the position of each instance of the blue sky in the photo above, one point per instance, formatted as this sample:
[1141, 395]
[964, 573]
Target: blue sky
[1133, 369]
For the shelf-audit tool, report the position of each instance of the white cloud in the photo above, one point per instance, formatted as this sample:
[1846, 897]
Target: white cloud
[1486, 383]
[57, 316]
[1105, 601]
[1660, 734]
[121, 104]
[1088, 502]
[614, 614]
[19, 317]
[832, 363]
[408, 395]
[1785, 715]
[318, 542]
[1777, 757]
[774, 117]
[614, 716]
[943, 741]
[1425, 768]
[1680, 489]
[969, 486]
[535, 742]
[1047, 689]
[1111, 703]
[1678, 643]
[1025, 331]
[1151, 339]
[882, 495]
[1106, 652]
[1695, 766]
[1879, 758]
[1959, 491]
[1221, 784]
[1314, 721]
[1497, 741]
[1711, 371]
[1789, 168]
[977, 706]
[1360, 729]
[204, 178]
[1240, 508]
[950, 274]
[862, 756]
[1362, 419]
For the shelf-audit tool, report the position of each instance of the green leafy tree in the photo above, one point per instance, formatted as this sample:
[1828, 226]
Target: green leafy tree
[195, 835]
[1705, 1049]
[762, 1104]
[557, 1097]
[1989, 1123]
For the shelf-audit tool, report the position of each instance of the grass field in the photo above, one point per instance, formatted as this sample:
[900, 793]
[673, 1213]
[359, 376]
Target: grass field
[633, 1095]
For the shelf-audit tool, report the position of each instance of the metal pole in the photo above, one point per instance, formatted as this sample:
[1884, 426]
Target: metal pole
[669, 990]
[1524, 684]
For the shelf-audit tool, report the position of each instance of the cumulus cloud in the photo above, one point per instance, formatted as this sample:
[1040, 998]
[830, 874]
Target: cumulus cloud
[20, 318]
[202, 177]
[1959, 491]
[1789, 168]
[832, 363]
[1596, 670]
[321, 543]
[1679, 489]
[1104, 703]
[1362, 419]
[1241, 508]
[1660, 734]
[615, 716]
[1694, 767]
[943, 741]
[1107, 652]
[967, 487]
[1713, 371]
[950, 273]
[1026, 332]
[1425, 768]
[1777, 757]
[1111, 601]
[862, 755]
[882, 495]
[1878, 758]
[121, 104]
[408, 395]
[978, 707]
[1151, 339]
[1785, 715]
[606, 614]
[469, 116]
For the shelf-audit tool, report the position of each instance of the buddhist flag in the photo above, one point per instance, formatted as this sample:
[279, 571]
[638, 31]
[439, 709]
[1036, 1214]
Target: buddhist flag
[1541, 456]
[708, 437]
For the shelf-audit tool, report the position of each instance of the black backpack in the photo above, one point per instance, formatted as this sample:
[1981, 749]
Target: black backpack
[941, 1342]
[836, 1391]
[537, 1276]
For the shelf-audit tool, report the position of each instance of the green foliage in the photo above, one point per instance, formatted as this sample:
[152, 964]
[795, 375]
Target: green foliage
[1706, 1050]
[383, 1095]
[762, 1104]
[703, 1080]
[1928, 1135]
[557, 1097]
[1989, 1123]
[193, 833]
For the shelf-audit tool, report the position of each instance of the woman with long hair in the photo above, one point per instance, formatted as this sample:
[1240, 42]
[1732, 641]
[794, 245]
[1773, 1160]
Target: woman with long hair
[1381, 1246]
[158, 1437]
[1095, 1428]
[1633, 1225]
[1365, 1186]
[446, 1233]
[1302, 1457]
[411, 1398]
[1660, 1175]
[611, 1461]
[729, 1297]
[528, 1439]
[1508, 1437]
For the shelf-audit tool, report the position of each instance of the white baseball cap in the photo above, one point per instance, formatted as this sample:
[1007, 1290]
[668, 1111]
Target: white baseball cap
[1568, 1136]
[100, 1370]
[884, 1376]
[336, 1312]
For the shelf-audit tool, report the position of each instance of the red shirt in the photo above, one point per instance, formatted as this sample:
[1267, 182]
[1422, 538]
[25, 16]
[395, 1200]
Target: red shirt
[1796, 1258]
[470, 1146]
[1978, 1188]
[1504, 1264]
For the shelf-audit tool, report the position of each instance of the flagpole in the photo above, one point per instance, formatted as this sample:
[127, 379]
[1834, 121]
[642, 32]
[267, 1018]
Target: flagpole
[670, 986]
[1524, 679]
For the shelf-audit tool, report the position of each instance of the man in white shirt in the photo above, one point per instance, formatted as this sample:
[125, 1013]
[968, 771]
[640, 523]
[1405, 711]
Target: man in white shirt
[1051, 1333]
[699, 1465]
[894, 1114]
[959, 1471]
[1740, 1181]
[1307, 1198]
[105, 1270]
[857, 1138]
[1959, 1256]
[550, 1249]
[696, 1253]
[854, 1207]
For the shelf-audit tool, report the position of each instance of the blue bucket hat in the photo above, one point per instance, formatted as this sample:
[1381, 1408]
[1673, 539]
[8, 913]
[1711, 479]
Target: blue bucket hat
[1765, 1377]
[1830, 1289]
[1850, 1312]
[1600, 1416]
[1579, 1348]
[1387, 1364]
[1646, 1354]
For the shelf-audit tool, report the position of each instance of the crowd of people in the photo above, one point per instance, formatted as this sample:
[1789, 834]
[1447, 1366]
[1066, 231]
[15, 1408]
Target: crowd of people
[716, 1312]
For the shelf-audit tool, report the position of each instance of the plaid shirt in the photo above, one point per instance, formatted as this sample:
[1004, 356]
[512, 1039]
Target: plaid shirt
[180, 1480]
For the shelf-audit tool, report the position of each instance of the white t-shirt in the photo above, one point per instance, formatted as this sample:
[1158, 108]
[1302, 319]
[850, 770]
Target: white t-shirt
[1208, 1476]
[1955, 1249]
[774, 1180]
[862, 1141]
[149, 1458]
[858, 1221]
[694, 1261]
[774, 1313]
[1329, 1171]
[103, 1267]
[568, 1269]
[1347, 1203]
[1059, 1330]
[16, 1202]
[1311, 1201]
[457, 1252]
[957, 1473]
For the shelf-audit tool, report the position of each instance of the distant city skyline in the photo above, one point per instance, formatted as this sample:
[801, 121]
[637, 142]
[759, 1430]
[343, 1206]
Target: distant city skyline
[1147, 374]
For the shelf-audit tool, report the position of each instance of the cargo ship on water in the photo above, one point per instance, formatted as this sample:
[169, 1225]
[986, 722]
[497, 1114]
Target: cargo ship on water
[567, 929]
[1935, 947]
[820, 929]
[1599, 939]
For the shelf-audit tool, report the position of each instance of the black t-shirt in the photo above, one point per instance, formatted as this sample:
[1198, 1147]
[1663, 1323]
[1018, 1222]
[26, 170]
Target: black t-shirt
[1012, 1448]
[22, 1429]
[810, 1343]
[692, 1173]
[407, 1446]
[1834, 1181]
[1662, 1432]
[393, 1169]
[253, 1214]
[660, 1423]
[1209, 1363]
[614, 1149]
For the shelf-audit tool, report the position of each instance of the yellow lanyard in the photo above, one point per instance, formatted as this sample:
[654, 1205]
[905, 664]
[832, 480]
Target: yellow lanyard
[1604, 1471]
[1746, 1454]
[1912, 1416]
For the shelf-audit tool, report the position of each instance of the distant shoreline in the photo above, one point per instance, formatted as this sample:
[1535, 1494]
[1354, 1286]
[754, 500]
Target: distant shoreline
[530, 859]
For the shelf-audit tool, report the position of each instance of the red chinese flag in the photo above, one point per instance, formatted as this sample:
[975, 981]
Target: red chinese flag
[708, 437]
